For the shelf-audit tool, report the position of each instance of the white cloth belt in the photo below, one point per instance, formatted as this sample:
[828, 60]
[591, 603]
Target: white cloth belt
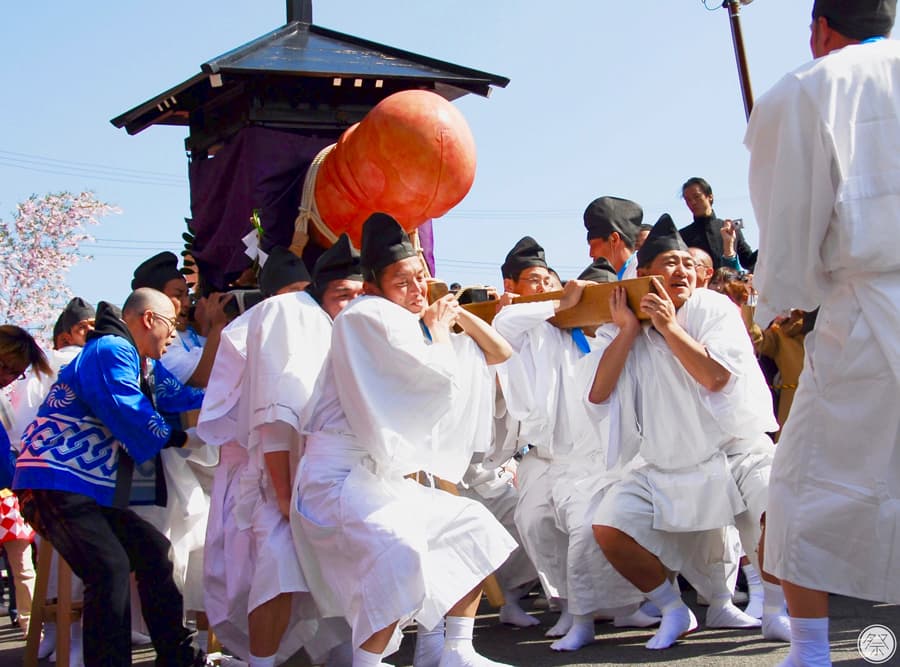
[331, 444]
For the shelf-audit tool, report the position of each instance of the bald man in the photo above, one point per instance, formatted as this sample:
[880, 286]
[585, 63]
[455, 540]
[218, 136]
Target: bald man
[74, 478]
[704, 265]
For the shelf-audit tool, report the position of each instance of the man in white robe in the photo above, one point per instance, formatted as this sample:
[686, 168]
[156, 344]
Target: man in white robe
[691, 407]
[378, 548]
[268, 361]
[525, 273]
[613, 225]
[549, 398]
[825, 186]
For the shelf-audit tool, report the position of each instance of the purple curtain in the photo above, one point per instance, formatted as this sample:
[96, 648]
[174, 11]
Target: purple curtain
[426, 240]
[259, 168]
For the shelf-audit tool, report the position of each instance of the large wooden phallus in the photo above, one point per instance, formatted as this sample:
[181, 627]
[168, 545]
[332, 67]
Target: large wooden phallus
[412, 156]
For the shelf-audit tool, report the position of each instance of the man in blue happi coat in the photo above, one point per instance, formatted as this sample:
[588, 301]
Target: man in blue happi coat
[74, 478]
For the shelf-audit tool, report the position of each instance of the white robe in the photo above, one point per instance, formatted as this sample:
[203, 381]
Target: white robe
[183, 519]
[265, 370]
[183, 356]
[555, 515]
[189, 476]
[699, 459]
[495, 488]
[377, 547]
[26, 396]
[825, 186]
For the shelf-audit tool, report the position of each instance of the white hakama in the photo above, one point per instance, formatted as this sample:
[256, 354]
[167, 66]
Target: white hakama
[379, 548]
[496, 491]
[535, 518]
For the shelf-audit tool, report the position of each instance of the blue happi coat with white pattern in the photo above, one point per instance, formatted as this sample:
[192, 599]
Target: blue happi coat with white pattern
[95, 408]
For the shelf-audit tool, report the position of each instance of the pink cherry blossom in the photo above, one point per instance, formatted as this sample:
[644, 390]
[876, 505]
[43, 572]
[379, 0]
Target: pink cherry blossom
[39, 246]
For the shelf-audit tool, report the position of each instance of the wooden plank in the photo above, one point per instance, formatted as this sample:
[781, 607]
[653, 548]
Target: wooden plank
[189, 418]
[592, 310]
[484, 310]
[38, 604]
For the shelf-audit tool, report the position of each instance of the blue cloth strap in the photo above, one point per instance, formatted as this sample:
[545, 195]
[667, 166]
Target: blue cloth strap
[628, 262]
[581, 340]
[425, 330]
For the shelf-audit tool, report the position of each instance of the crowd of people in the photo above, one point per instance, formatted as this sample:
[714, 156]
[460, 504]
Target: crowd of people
[347, 457]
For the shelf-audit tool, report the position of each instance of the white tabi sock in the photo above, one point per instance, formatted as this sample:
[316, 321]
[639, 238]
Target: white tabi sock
[458, 648]
[268, 661]
[666, 597]
[755, 589]
[429, 645]
[775, 623]
[677, 619]
[564, 622]
[809, 643]
[638, 618]
[76, 652]
[650, 609]
[48, 641]
[458, 631]
[140, 639]
[723, 613]
[580, 634]
[511, 613]
[364, 658]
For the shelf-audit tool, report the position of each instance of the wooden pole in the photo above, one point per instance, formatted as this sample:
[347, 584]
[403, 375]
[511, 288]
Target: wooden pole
[737, 37]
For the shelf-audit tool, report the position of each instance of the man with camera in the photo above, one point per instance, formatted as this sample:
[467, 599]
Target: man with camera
[711, 234]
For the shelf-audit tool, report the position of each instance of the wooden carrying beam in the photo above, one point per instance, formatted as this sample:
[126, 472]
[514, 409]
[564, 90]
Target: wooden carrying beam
[592, 310]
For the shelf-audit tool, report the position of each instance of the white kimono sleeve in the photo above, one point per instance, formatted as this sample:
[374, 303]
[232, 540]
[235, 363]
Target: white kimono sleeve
[743, 408]
[467, 426]
[792, 189]
[287, 342]
[393, 386]
[531, 380]
[218, 421]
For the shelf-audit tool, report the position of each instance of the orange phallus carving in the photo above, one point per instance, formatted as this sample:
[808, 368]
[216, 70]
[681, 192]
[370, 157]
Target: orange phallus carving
[412, 156]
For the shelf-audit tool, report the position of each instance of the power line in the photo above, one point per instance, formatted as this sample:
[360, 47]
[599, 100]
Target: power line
[87, 165]
[140, 241]
[96, 176]
[36, 163]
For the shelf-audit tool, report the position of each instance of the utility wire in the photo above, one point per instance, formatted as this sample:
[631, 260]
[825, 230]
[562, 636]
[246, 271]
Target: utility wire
[89, 165]
[41, 164]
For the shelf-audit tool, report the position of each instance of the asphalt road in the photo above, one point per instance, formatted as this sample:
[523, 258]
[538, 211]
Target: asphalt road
[529, 647]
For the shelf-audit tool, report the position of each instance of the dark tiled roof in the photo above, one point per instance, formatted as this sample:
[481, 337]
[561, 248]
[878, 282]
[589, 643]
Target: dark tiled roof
[302, 75]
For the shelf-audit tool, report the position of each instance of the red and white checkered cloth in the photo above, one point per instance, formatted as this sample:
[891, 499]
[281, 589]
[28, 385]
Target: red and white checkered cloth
[12, 525]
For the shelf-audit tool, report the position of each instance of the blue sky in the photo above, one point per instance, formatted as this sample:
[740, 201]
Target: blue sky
[606, 98]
